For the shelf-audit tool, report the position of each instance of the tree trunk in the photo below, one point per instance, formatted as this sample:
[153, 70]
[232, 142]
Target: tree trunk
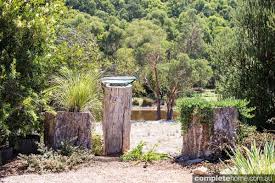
[158, 93]
[170, 104]
[116, 119]
[71, 127]
[169, 115]
[208, 140]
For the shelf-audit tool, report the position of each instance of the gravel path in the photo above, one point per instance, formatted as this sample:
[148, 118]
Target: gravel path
[166, 135]
[112, 172]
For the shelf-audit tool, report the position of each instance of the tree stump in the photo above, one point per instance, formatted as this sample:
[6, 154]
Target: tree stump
[67, 127]
[116, 119]
[208, 140]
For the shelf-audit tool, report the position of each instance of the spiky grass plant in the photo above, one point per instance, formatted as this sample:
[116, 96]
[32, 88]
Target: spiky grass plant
[253, 160]
[76, 92]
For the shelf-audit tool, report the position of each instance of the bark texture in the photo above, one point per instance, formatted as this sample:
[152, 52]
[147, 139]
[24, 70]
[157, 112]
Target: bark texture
[208, 140]
[70, 127]
[116, 119]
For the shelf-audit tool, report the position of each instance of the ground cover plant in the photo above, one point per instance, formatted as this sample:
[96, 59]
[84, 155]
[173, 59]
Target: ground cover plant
[138, 154]
[190, 106]
[48, 160]
[254, 160]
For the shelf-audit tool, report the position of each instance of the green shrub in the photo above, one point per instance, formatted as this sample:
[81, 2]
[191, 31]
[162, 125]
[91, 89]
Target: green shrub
[97, 143]
[54, 161]
[204, 108]
[254, 160]
[259, 138]
[76, 91]
[66, 148]
[137, 154]
[136, 102]
[244, 131]
[4, 132]
[147, 102]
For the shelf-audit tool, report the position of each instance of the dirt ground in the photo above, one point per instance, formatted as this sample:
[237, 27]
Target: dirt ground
[165, 136]
[112, 171]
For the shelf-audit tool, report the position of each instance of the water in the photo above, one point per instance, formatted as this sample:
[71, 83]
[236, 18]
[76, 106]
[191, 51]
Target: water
[148, 114]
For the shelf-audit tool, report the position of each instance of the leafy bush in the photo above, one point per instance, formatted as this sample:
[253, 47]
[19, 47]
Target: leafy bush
[53, 161]
[244, 131]
[97, 143]
[3, 134]
[76, 91]
[137, 154]
[259, 138]
[136, 102]
[147, 102]
[254, 160]
[190, 106]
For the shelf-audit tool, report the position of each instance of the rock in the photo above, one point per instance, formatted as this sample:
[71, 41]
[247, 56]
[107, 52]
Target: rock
[200, 171]
[194, 161]
[206, 139]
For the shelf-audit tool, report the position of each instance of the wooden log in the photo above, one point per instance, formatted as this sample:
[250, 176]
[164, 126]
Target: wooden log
[70, 127]
[206, 140]
[116, 119]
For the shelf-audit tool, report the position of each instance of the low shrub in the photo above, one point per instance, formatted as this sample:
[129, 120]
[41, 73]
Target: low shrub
[259, 138]
[254, 160]
[204, 108]
[147, 102]
[244, 131]
[136, 102]
[137, 154]
[54, 161]
[97, 143]
[4, 132]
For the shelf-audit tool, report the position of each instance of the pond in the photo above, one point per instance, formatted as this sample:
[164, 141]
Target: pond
[148, 114]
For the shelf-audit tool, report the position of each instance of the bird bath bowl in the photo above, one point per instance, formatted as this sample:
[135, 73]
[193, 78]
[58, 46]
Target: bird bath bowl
[118, 80]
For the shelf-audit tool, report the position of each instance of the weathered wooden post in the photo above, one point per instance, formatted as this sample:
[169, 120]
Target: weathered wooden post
[205, 140]
[117, 105]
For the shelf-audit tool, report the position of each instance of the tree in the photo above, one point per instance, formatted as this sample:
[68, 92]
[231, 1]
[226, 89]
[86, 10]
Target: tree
[125, 62]
[75, 43]
[178, 76]
[26, 36]
[149, 42]
[87, 6]
[252, 58]
[190, 39]
[154, 54]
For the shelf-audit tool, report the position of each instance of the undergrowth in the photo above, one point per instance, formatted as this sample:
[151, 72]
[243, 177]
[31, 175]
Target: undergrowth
[137, 154]
[253, 160]
[55, 161]
[97, 143]
[204, 109]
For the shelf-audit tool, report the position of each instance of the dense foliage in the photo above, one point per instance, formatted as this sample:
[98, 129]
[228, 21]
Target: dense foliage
[204, 109]
[171, 46]
[245, 56]
[27, 32]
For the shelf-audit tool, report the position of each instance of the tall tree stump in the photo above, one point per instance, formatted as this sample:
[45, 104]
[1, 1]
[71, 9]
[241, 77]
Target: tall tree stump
[207, 140]
[116, 119]
[70, 127]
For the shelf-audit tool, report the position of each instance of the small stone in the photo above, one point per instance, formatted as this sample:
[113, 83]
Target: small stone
[200, 171]
[194, 161]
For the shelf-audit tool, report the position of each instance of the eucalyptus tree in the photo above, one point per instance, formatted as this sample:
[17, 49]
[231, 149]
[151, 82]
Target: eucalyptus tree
[149, 43]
